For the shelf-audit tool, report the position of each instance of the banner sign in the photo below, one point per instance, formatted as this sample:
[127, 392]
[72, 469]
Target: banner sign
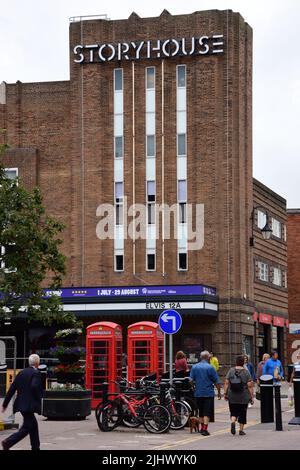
[137, 291]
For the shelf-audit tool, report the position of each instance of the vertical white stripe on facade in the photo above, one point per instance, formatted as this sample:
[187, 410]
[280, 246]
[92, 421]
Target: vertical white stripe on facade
[118, 160]
[181, 130]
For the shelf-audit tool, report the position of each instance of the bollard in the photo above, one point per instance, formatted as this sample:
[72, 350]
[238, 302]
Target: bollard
[266, 399]
[162, 394]
[278, 412]
[104, 392]
[296, 382]
[3, 372]
[43, 369]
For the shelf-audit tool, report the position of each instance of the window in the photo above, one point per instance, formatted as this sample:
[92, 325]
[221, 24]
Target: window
[261, 219]
[151, 191]
[182, 213]
[151, 201]
[7, 250]
[181, 144]
[150, 146]
[276, 228]
[11, 173]
[119, 214]
[150, 78]
[181, 81]
[182, 261]
[277, 277]
[119, 147]
[151, 262]
[263, 271]
[119, 203]
[119, 263]
[119, 192]
[118, 79]
[182, 196]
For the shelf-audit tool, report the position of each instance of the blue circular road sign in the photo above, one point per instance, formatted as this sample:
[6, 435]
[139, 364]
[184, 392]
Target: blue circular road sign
[170, 321]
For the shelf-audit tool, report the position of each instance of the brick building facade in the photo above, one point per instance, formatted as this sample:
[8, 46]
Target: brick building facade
[293, 222]
[158, 121]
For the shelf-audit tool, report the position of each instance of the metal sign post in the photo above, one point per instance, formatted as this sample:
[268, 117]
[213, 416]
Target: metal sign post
[170, 322]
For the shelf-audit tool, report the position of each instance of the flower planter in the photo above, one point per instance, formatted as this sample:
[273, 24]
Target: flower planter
[67, 404]
[67, 359]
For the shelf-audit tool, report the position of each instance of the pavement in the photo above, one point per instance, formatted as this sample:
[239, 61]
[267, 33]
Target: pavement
[85, 435]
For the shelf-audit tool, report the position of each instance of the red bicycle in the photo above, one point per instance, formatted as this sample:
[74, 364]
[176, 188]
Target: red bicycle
[133, 408]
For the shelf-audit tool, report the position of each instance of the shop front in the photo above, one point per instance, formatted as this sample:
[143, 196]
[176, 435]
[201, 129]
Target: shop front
[270, 334]
[198, 305]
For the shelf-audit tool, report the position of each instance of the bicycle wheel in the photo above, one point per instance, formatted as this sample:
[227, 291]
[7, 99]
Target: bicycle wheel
[180, 414]
[131, 422]
[109, 416]
[157, 419]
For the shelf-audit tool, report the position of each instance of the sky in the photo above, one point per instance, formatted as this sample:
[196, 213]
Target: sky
[34, 40]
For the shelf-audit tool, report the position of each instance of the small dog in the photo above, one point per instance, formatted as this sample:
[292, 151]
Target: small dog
[194, 424]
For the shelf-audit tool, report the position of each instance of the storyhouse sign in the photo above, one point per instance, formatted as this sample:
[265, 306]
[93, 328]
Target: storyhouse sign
[140, 50]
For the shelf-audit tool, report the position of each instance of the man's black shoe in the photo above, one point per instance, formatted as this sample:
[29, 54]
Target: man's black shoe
[4, 445]
[205, 433]
[232, 430]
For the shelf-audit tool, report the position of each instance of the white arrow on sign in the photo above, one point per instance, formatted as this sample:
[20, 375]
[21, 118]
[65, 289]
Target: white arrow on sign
[167, 318]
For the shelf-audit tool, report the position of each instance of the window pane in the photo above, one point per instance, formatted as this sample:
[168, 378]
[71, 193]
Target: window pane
[118, 80]
[151, 262]
[151, 188]
[11, 174]
[181, 76]
[182, 213]
[181, 144]
[150, 77]
[119, 263]
[119, 214]
[151, 214]
[182, 261]
[182, 191]
[276, 228]
[150, 145]
[118, 147]
[118, 191]
[261, 219]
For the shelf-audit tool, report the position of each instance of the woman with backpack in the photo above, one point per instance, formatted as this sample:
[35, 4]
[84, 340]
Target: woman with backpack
[238, 391]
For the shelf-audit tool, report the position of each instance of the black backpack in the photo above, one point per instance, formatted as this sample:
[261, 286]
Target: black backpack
[236, 383]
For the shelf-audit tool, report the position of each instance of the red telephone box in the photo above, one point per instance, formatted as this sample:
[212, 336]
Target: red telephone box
[145, 350]
[104, 357]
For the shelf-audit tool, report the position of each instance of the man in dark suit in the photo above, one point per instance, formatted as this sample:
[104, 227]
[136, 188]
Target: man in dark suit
[28, 385]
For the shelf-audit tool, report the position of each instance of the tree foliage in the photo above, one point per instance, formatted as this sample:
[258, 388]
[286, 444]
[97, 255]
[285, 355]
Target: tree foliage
[30, 254]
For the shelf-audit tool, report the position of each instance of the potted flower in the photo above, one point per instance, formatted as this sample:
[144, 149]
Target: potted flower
[68, 400]
[70, 373]
[68, 355]
[69, 334]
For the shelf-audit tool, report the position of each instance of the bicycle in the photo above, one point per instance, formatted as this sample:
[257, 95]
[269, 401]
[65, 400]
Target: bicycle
[155, 417]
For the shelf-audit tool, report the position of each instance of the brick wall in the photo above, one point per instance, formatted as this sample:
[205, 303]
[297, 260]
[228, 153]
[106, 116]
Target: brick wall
[294, 276]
